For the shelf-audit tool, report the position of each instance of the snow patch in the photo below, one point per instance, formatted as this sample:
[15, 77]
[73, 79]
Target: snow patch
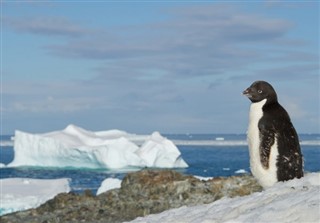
[19, 194]
[293, 201]
[204, 178]
[109, 184]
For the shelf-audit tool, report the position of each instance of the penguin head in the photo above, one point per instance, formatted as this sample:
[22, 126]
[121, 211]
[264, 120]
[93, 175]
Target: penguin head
[259, 91]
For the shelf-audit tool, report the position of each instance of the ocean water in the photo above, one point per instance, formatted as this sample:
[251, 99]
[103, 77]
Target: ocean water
[207, 155]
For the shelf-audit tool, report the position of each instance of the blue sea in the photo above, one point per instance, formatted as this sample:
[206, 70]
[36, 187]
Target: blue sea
[208, 155]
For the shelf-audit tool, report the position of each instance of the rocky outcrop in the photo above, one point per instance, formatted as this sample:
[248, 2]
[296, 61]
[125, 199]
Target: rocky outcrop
[141, 193]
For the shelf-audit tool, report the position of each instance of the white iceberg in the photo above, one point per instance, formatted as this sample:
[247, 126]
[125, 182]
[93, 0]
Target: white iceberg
[293, 201]
[109, 184]
[77, 147]
[22, 193]
[160, 152]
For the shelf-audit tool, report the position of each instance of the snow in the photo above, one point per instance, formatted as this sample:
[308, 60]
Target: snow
[109, 184]
[204, 178]
[24, 193]
[77, 147]
[240, 171]
[293, 201]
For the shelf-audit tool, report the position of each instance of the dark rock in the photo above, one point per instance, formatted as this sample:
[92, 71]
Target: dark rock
[141, 193]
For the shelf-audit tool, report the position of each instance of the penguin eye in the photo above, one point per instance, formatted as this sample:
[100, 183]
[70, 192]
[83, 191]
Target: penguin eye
[259, 91]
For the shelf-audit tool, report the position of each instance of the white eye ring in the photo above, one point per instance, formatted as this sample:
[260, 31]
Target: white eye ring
[259, 91]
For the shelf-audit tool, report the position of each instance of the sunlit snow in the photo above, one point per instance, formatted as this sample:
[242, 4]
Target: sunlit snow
[24, 193]
[293, 201]
[109, 184]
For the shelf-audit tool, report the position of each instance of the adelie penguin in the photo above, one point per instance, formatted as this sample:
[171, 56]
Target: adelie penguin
[274, 148]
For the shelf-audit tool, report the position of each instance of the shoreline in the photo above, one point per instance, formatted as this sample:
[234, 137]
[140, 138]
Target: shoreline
[142, 193]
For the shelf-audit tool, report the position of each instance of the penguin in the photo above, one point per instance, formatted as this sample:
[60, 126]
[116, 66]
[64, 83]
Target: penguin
[274, 149]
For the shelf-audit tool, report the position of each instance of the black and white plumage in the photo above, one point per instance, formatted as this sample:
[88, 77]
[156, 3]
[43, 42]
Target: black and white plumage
[274, 148]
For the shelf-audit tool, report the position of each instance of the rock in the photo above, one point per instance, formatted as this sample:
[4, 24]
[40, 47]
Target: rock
[141, 193]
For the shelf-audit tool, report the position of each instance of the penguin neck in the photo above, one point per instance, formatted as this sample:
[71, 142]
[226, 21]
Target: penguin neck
[257, 106]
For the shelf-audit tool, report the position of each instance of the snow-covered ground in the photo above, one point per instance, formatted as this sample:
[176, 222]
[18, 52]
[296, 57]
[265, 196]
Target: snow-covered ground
[293, 201]
[77, 147]
[18, 194]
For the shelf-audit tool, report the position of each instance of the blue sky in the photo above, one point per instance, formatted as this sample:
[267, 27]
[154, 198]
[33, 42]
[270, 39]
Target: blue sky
[143, 66]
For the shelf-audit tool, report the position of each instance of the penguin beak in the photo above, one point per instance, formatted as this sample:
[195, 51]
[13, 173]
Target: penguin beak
[247, 93]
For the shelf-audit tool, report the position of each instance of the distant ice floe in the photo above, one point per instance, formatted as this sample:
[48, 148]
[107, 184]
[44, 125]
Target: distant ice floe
[6, 143]
[77, 147]
[140, 139]
[220, 142]
[240, 171]
[23, 193]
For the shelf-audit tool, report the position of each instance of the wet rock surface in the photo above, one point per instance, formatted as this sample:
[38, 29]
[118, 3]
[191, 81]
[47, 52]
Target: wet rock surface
[141, 193]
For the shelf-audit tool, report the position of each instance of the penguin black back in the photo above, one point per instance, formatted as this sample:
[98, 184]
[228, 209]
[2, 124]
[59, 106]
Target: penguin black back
[290, 164]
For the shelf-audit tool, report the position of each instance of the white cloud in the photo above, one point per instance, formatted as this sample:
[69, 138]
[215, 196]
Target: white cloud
[50, 26]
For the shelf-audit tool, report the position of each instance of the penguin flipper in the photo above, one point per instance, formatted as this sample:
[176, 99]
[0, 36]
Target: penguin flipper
[267, 139]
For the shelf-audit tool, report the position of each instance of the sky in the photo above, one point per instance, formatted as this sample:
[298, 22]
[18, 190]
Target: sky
[144, 66]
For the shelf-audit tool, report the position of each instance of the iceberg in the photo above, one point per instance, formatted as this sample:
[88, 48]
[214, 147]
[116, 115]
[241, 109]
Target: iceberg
[160, 152]
[79, 148]
[19, 194]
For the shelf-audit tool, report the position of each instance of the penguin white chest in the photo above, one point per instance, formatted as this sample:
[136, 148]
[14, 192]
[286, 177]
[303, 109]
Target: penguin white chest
[265, 176]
